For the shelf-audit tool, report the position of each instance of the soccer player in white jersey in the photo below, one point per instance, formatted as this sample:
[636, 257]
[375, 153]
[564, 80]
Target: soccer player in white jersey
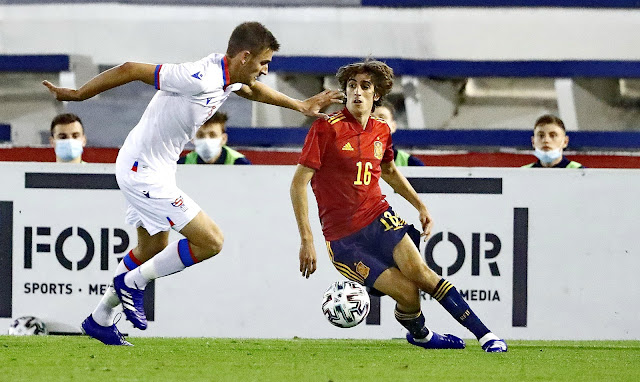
[188, 95]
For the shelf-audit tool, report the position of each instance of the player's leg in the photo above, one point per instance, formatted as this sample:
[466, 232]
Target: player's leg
[148, 246]
[366, 257]
[99, 324]
[408, 313]
[410, 263]
[203, 239]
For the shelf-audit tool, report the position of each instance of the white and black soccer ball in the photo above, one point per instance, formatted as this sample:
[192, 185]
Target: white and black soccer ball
[346, 304]
[28, 326]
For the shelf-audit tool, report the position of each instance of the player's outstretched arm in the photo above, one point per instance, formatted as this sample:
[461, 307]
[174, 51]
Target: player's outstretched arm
[401, 185]
[119, 75]
[298, 192]
[311, 106]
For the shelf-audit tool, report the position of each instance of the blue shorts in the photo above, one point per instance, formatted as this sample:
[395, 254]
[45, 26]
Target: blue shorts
[364, 255]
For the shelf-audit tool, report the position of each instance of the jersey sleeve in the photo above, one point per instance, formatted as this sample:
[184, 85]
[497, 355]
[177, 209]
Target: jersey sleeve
[185, 78]
[314, 145]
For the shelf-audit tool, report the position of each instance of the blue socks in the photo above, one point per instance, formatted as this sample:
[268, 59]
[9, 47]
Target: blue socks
[413, 322]
[447, 295]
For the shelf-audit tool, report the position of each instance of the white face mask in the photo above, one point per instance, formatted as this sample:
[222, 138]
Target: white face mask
[68, 149]
[547, 157]
[208, 148]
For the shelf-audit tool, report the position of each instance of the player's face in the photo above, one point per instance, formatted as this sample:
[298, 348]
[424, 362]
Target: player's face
[71, 130]
[360, 94]
[549, 137]
[256, 65]
[211, 131]
[384, 113]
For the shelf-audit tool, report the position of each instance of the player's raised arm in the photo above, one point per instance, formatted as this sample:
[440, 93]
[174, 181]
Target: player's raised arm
[116, 76]
[311, 106]
[298, 192]
[401, 185]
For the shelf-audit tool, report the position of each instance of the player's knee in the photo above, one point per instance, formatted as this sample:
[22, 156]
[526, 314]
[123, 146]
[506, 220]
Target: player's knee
[215, 242]
[206, 244]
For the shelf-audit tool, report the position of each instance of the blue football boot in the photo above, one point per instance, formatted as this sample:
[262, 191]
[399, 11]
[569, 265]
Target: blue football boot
[495, 346]
[132, 302]
[437, 341]
[108, 335]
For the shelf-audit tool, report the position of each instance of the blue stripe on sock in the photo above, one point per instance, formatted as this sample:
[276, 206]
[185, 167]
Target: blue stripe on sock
[130, 264]
[185, 253]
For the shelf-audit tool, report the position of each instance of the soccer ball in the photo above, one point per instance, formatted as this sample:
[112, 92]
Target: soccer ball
[345, 304]
[27, 326]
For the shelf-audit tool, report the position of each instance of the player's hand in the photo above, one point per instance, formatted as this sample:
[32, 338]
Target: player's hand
[307, 259]
[427, 223]
[62, 94]
[311, 106]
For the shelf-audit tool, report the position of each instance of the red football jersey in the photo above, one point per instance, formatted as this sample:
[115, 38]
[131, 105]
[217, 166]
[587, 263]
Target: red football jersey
[347, 161]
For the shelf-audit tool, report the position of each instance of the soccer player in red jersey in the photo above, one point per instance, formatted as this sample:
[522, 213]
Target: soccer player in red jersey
[343, 158]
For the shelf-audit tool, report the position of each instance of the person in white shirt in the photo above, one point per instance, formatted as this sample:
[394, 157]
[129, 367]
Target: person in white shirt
[188, 95]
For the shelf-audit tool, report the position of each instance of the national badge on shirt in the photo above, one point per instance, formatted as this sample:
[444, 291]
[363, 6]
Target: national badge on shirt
[378, 150]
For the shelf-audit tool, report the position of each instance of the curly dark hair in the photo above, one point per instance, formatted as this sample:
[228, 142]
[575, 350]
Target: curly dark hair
[381, 75]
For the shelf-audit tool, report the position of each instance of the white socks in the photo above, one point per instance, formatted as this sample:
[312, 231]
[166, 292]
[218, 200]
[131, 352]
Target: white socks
[170, 260]
[174, 258]
[103, 313]
[488, 337]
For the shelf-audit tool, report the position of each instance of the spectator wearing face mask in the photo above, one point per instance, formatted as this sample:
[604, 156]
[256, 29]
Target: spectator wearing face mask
[549, 140]
[210, 141]
[67, 138]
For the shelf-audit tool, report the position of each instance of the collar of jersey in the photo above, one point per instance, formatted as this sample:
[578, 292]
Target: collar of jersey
[225, 73]
[351, 119]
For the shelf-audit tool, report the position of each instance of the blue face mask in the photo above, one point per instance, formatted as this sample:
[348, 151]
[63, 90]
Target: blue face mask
[547, 157]
[68, 149]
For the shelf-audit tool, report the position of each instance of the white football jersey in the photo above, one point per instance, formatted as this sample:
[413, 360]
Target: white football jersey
[188, 95]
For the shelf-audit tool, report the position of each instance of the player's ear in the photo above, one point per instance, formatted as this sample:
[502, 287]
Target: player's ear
[376, 96]
[244, 56]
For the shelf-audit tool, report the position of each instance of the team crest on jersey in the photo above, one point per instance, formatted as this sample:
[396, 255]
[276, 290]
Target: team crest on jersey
[179, 203]
[378, 150]
[362, 270]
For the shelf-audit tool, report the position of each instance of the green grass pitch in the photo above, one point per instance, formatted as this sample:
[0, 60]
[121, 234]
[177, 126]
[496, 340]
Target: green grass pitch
[78, 358]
